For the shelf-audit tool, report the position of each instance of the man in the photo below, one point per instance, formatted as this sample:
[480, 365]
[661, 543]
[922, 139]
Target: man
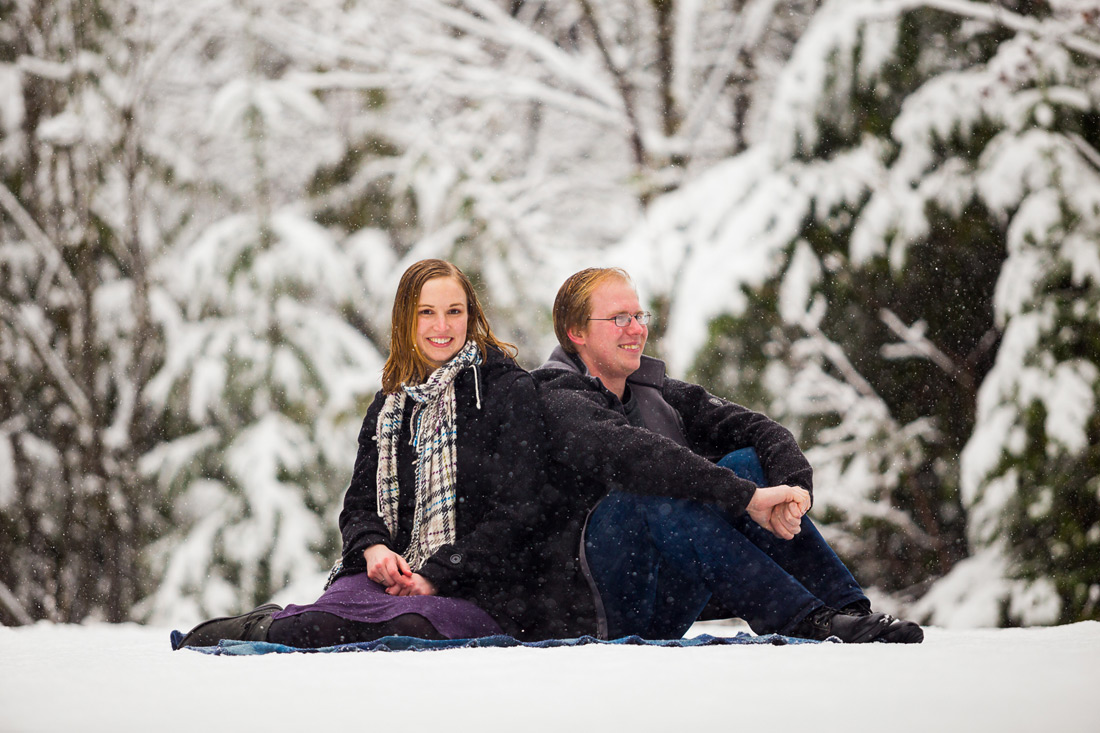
[658, 527]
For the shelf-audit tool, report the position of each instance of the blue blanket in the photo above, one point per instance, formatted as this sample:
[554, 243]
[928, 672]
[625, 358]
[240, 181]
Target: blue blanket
[408, 643]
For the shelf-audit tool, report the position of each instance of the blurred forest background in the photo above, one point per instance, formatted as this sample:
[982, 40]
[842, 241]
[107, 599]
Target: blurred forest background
[879, 222]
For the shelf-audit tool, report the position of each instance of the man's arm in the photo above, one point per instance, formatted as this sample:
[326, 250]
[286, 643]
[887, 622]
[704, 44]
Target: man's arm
[715, 427]
[595, 445]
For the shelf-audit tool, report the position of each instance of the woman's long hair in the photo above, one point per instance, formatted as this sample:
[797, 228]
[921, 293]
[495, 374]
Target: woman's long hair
[406, 364]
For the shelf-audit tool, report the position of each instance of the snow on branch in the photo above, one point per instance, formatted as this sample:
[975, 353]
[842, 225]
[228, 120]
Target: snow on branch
[23, 322]
[15, 424]
[998, 15]
[866, 508]
[1087, 151]
[290, 33]
[45, 69]
[864, 457]
[489, 84]
[626, 90]
[746, 35]
[836, 356]
[46, 247]
[915, 343]
[499, 27]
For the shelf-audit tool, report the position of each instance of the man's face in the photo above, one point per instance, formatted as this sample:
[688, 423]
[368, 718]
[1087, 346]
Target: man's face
[612, 353]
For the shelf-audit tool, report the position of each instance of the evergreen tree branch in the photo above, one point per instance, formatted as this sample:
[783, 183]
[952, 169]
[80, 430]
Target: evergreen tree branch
[836, 356]
[999, 16]
[1087, 151]
[916, 344]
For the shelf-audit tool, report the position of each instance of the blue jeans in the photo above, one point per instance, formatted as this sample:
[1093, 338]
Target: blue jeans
[657, 561]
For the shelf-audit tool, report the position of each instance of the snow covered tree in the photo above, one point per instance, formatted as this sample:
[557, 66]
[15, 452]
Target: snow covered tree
[264, 388]
[264, 381]
[131, 134]
[78, 182]
[908, 263]
[521, 138]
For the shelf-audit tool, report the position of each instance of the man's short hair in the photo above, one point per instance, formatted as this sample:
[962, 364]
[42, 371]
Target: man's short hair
[573, 304]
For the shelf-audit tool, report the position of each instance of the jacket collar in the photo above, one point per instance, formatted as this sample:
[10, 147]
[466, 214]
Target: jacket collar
[559, 359]
[650, 374]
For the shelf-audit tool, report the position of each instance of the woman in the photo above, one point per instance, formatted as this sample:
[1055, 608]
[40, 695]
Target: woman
[439, 512]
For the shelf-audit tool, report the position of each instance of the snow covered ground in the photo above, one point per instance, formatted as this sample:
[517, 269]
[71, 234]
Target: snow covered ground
[126, 678]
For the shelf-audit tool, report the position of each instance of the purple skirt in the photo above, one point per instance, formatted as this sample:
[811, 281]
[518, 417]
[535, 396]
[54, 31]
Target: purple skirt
[358, 598]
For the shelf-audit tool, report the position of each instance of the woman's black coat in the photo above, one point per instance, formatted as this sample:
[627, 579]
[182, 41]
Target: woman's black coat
[499, 479]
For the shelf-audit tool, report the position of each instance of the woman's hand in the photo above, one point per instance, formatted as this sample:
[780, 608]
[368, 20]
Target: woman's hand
[790, 501]
[417, 585]
[386, 567]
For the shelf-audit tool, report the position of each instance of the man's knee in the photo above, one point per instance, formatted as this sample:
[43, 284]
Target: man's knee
[745, 463]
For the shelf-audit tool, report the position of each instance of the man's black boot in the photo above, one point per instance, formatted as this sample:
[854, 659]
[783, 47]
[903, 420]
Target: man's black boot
[898, 631]
[251, 626]
[826, 622]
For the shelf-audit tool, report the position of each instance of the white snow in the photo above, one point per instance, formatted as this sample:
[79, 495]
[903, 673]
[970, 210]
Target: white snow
[796, 289]
[977, 589]
[126, 678]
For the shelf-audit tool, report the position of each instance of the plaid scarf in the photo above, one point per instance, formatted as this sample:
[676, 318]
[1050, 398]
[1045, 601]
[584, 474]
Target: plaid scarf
[434, 433]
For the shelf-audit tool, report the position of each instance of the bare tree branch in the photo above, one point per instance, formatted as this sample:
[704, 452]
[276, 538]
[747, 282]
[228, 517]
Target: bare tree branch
[14, 607]
[738, 41]
[499, 27]
[53, 363]
[626, 89]
[914, 342]
[46, 247]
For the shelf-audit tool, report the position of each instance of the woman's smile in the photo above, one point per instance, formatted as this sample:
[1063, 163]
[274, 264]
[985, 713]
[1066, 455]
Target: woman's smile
[441, 317]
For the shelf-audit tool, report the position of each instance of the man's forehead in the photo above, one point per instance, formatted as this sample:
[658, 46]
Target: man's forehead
[614, 293]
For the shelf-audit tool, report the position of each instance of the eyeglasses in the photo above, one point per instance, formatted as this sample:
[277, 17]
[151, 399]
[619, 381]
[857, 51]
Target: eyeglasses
[623, 319]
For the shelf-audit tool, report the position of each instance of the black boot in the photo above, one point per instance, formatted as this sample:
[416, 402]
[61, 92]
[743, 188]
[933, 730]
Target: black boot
[898, 631]
[826, 622]
[251, 626]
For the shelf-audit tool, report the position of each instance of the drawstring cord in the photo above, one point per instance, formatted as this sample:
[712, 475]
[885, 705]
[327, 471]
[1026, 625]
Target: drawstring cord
[477, 387]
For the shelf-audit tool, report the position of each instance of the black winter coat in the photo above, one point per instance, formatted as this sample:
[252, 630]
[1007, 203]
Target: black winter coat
[499, 469]
[594, 449]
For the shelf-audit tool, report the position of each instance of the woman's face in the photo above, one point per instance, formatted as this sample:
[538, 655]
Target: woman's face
[441, 316]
